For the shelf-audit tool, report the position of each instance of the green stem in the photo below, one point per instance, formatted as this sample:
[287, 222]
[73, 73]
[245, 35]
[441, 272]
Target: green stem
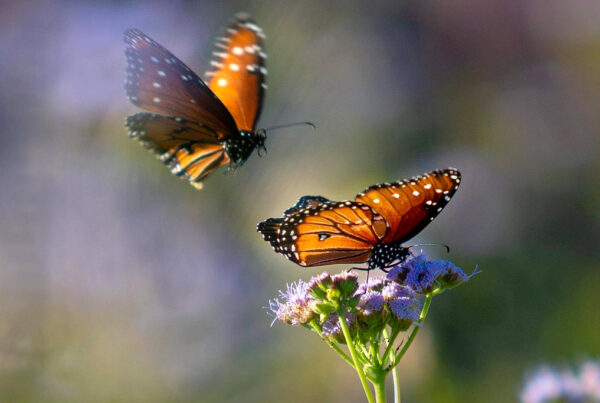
[357, 364]
[379, 384]
[416, 328]
[390, 344]
[394, 368]
[397, 396]
[375, 355]
[333, 346]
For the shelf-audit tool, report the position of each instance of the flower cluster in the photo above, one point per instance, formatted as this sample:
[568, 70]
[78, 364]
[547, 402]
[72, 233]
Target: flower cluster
[367, 307]
[367, 318]
[548, 385]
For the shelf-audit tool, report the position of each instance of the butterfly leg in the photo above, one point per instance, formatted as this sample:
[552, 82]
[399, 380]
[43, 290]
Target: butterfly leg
[360, 268]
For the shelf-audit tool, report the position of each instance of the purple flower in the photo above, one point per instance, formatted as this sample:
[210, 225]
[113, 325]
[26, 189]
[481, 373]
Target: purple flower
[375, 284]
[424, 276]
[404, 309]
[295, 306]
[393, 290]
[447, 274]
[590, 379]
[544, 386]
[370, 302]
[547, 385]
[332, 329]
[414, 273]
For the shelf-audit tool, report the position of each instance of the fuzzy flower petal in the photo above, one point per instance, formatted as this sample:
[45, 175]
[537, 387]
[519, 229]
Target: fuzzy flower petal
[370, 302]
[424, 276]
[332, 328]
[404, 309]
[294, 306]
[393, 290]
[374, 284]
[447, 273]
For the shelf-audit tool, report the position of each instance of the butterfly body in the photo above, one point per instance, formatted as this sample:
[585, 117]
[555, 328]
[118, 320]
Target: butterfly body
[369, 229]
[384, 255]
[198, 126]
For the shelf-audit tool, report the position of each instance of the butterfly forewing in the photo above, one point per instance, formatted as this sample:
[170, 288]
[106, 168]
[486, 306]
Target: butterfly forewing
[159, 82]
[238, 74]
[324, 233]
[189, 149]
[409, 205]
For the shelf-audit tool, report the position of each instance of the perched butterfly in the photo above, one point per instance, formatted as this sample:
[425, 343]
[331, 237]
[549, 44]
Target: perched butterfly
[371, 229]
[198, 126]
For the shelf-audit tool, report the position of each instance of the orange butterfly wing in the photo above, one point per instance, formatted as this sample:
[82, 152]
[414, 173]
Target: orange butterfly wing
[159, 82]
[315, 233]
[410, 205]
[238, 77]
[190, 150]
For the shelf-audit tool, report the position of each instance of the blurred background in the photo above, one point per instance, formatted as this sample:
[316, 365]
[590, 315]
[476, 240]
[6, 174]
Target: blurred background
[119, 282]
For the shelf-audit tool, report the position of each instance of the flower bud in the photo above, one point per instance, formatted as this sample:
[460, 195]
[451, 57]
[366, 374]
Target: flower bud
[447, 274]
[346, 283]
[319, 285]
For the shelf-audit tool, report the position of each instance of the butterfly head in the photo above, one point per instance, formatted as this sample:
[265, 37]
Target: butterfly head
[261, 135]
[240, 148]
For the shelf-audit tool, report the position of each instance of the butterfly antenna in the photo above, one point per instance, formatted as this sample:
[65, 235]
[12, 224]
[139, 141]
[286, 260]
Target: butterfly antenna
[314, 127]
[432, 244]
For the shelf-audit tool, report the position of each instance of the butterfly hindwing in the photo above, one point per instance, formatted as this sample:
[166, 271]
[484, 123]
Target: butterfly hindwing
[238, 73]
[159, 82]
[190, 150]
[305, 202]
[410, 205]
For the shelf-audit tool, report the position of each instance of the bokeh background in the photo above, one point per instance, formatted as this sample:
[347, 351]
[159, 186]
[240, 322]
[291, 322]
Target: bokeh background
[119, 282]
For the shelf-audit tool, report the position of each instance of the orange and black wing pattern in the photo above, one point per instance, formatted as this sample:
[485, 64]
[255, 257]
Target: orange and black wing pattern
[159, 82]
[319, 232]
[237, 75]
[189, 149]
[407, 206]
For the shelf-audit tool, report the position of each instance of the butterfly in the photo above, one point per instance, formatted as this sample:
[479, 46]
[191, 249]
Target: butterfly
[369, 229]
[197, 126]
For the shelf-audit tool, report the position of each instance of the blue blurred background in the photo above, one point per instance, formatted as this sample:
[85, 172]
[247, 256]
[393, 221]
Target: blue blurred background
[119, 282]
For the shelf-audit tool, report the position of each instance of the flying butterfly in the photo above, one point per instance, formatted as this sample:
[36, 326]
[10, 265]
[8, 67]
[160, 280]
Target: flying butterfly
[370, 229]
[197, 126]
